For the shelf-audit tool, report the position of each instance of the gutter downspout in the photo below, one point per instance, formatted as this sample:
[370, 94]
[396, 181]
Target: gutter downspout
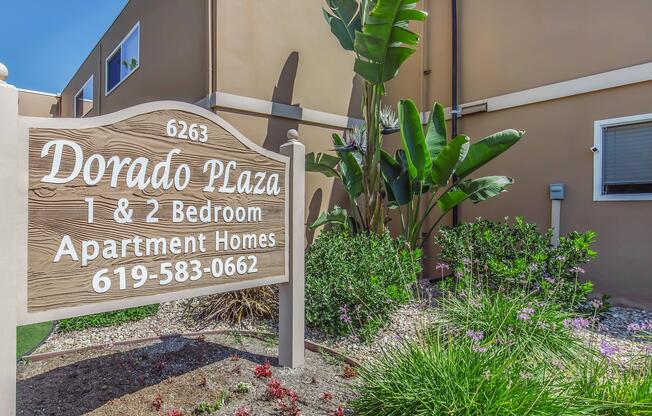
[454, 104]
[209, 4]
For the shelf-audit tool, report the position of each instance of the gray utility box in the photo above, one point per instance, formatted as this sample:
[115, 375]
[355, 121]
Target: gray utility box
[557, 191]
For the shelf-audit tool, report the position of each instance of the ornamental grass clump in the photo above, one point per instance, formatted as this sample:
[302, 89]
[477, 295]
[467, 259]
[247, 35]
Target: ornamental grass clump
[536, 330]
[615, 389]
[355, 282]
[440, 375]
[233, 307]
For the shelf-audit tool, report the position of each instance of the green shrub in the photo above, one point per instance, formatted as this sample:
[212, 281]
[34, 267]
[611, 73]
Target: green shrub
[354, 282]
[441, 376]
[536, 331]
[105, 319]
[234, 307]
[518, 257]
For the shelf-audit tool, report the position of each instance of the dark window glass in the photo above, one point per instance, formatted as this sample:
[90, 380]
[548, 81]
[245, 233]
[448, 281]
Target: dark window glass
[113, 71]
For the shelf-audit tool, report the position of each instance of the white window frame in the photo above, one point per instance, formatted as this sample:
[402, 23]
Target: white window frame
[598, 128]
[74, 105]
[117, 49]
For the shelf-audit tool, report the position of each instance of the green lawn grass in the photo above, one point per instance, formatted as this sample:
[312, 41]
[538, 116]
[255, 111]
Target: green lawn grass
[29, 336]
[100, 320]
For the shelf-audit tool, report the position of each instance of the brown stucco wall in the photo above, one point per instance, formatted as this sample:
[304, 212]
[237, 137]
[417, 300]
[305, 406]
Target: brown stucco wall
[555, 148]
[34, 104]
[173, 57]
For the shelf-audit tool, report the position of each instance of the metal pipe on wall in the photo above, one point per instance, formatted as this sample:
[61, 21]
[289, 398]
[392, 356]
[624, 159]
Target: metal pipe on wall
[454, 100]
[209, 5]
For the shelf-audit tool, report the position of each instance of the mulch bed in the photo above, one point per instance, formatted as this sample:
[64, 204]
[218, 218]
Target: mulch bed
[178, 373]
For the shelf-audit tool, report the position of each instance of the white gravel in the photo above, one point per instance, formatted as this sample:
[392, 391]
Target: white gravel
[167, 321]
[405, 323]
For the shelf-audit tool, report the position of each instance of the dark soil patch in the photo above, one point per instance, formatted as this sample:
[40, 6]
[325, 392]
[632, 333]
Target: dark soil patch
[178, 373]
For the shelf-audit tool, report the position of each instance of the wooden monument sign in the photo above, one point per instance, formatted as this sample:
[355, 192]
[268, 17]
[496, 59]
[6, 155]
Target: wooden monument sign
[152, 201]
[157, 202]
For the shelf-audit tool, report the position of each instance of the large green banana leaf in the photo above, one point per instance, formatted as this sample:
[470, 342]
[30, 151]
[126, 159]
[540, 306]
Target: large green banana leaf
[322, 163]
[450, 156]
[397, 180]
[414, 141]
[385, 41]
[344, 21]
[474, 189]
[350, 168]
[436, 134]
[487, 149]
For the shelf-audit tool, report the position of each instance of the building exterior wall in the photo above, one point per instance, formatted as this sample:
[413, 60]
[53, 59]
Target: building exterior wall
[508, 46]
[556, 148]
[173, 47]
[512, 45]
[37, 104]
[284, 53]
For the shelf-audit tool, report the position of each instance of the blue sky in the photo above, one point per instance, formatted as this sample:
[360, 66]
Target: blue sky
[43, 42]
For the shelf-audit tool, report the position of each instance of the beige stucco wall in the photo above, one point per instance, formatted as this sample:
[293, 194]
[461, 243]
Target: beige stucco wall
[35, 104]
[555, 148]
[283, 52]
[511, 45]
[173, 57]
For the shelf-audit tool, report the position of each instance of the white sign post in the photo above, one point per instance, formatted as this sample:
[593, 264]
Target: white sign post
[157, 202]
[9, 176]
[291, 320]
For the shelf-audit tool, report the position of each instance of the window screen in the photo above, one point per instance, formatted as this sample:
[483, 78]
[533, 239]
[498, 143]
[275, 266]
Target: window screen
[627, 158]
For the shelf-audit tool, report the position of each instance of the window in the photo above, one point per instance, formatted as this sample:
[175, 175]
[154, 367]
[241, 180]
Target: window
[622, 164]
[124, 60]
[84, 99]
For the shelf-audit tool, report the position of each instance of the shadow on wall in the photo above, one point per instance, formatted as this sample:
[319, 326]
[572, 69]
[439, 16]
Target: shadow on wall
[278, 127]
[54, 110]
[286, 116]
[338, 193]
[313, 212]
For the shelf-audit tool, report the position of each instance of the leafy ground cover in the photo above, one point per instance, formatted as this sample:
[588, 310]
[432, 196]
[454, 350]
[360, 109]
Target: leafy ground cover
[106, 319]
[29, 336]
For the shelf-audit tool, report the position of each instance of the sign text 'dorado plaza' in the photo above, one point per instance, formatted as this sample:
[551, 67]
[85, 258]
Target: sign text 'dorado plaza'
[154, 203]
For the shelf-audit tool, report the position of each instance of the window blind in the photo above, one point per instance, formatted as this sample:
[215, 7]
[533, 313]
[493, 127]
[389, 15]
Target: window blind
[627, 154]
